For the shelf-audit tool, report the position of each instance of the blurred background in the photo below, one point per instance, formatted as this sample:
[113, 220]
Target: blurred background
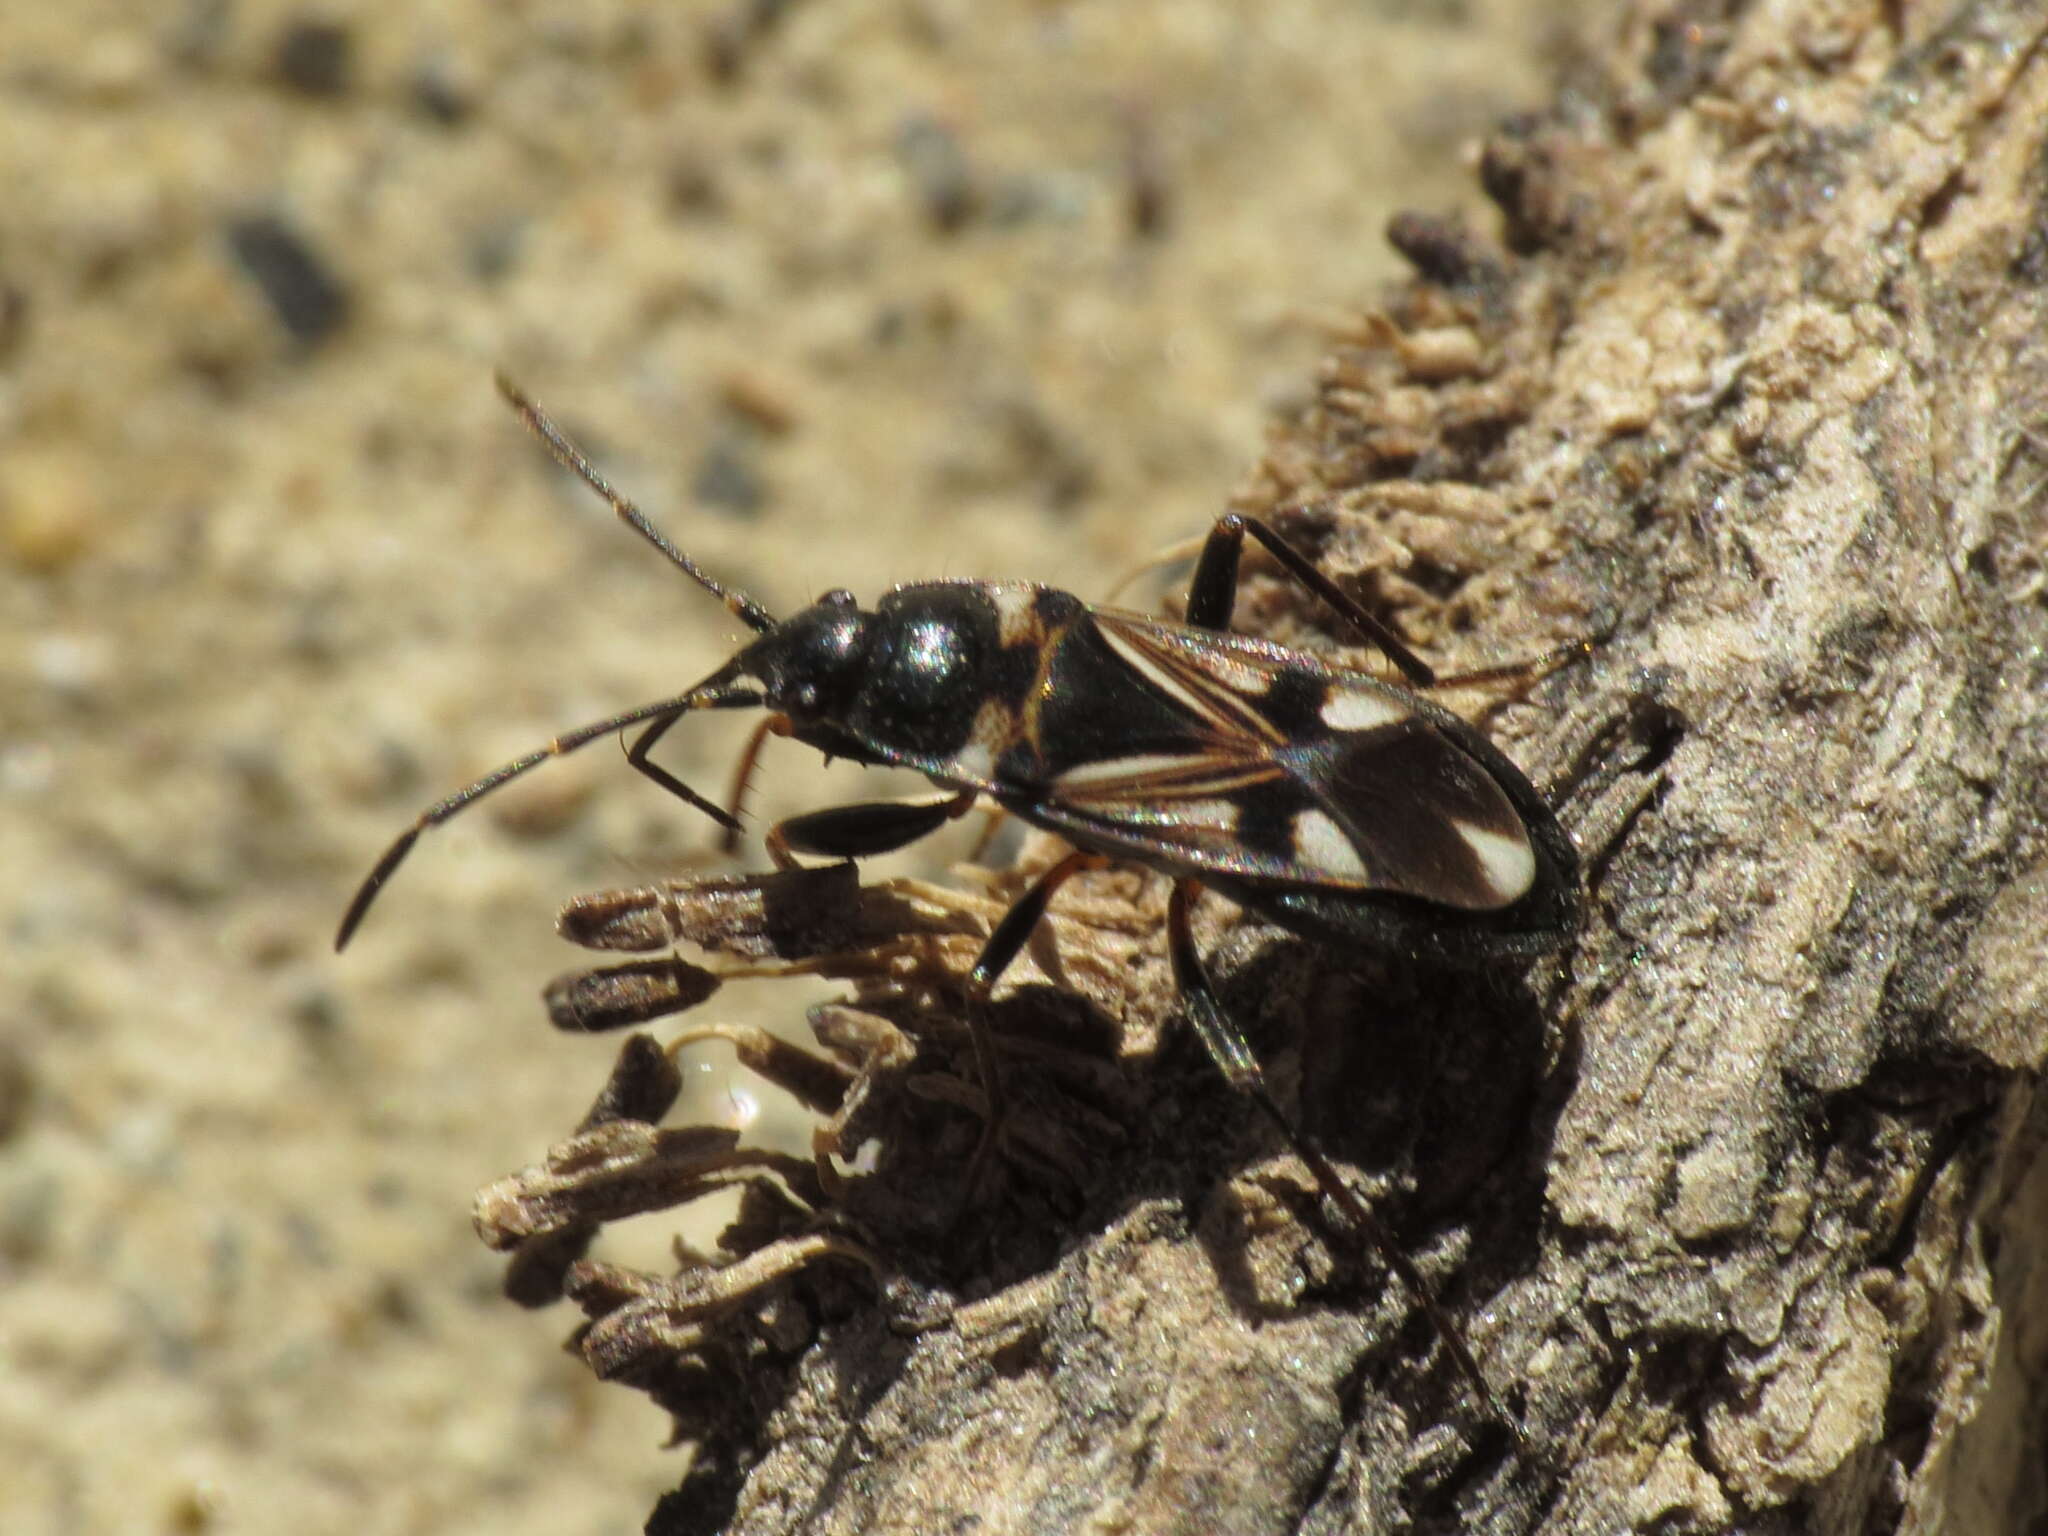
[843, 293]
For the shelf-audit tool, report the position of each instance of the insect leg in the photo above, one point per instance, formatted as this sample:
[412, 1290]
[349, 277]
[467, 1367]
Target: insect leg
[1529, 671]
[1226, 1046]
[713, 693]
[743, 777]
[637, 759]
[996, 817]
[857, 831]
[1213, 592]
[1011, 934]
[1003, 946]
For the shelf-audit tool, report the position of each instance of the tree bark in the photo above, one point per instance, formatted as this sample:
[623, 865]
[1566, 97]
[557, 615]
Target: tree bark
[1751, 393]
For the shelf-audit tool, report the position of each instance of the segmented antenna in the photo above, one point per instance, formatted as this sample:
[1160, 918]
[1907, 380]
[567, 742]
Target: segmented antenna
[570, 457]
[703, 696]
[719, 691]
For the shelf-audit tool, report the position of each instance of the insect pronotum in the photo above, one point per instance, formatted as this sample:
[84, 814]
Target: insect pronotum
[1341, 807]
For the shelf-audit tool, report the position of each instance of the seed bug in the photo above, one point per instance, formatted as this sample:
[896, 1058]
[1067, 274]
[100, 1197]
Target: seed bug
[1346, 809]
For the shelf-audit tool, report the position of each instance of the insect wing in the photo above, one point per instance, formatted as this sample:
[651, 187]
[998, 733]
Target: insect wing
[1296, 774]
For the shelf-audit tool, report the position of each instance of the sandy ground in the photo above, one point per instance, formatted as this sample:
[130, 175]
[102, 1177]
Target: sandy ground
[847, 293]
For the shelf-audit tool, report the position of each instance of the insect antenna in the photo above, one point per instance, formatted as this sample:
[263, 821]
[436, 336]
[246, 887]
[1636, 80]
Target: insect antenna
[710, 694]
[570, 457]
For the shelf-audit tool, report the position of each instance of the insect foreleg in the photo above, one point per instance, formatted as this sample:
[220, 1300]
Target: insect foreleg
[857, 831]
[710, 694]
[1213, 592]
[1233, 1057]
[636, 758]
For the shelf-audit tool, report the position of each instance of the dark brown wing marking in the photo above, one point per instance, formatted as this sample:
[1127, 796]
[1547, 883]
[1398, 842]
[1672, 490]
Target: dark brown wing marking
[1296, 774]
[1427, 819]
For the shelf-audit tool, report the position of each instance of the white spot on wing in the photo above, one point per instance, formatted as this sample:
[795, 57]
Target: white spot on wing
[1356, 709]
[1209, 815]
[1319, 843]
[1509, 862]
[1104, 770]
[1237, 674]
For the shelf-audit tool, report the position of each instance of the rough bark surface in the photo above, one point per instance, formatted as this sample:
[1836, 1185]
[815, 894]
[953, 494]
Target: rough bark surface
[1753, 391]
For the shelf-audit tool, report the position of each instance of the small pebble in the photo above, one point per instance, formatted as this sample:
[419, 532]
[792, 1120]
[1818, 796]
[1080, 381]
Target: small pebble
[71, 664]
[1442, 354]
[930, 152]
[308, 300]
[761, 401]
[50, 511]
[726, 479]
[316, 57]
[440, 94]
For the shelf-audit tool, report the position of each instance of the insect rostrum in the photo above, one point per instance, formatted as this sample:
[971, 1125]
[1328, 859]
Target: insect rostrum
[1337, 805]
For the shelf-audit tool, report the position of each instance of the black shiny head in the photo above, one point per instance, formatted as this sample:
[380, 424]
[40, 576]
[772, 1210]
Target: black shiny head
[811, 665]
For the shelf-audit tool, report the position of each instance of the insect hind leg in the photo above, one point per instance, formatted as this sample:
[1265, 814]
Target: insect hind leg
[1213, 591]
[1526, 673]
[1233, 1057]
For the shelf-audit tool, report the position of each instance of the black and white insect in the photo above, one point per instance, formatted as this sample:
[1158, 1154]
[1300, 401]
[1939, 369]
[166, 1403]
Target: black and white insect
[1339, 806]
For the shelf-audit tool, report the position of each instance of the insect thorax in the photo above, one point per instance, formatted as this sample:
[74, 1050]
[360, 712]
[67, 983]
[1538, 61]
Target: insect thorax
[906, 682]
